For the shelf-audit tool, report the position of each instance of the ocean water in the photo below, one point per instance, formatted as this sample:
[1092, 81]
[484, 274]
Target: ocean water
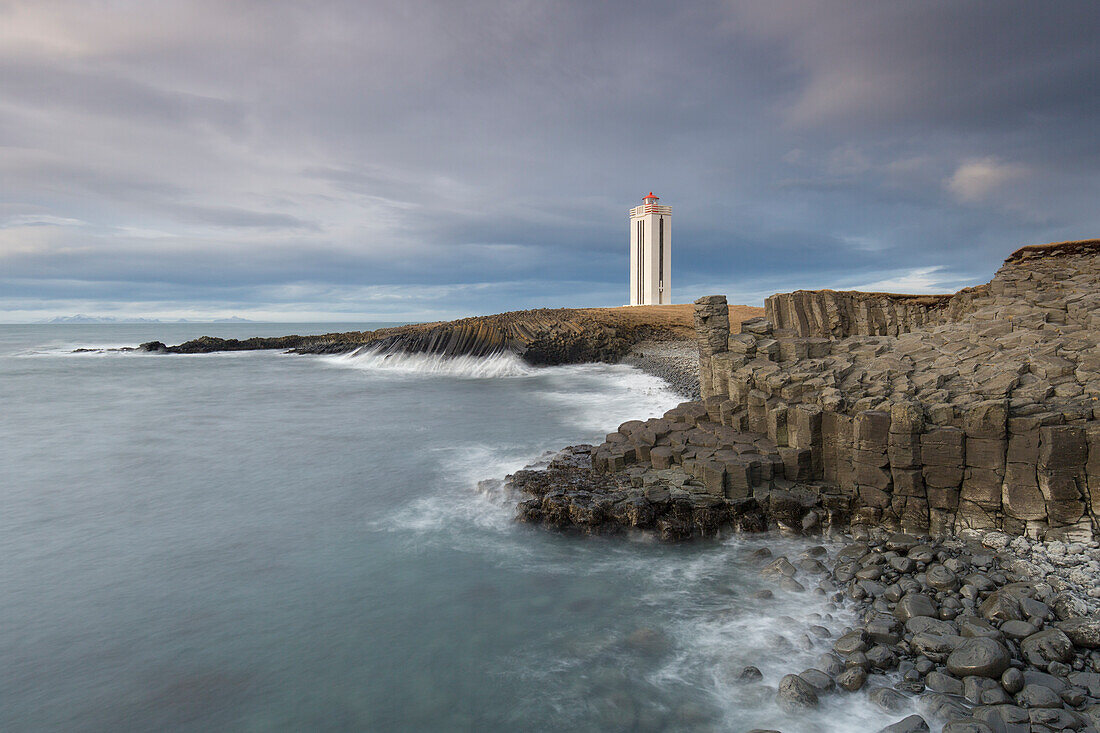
[266, 542]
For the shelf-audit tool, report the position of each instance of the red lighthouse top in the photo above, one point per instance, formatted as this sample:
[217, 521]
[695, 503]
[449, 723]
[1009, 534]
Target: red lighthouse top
[650, 196]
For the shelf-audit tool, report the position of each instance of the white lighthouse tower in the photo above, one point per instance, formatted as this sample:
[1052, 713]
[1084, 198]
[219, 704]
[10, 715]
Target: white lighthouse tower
[650, 253]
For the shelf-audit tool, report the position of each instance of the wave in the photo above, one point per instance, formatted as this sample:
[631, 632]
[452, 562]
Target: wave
[499, 365]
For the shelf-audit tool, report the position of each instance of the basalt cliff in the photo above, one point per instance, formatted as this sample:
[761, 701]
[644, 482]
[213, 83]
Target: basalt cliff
[541, 337]
[977, 410]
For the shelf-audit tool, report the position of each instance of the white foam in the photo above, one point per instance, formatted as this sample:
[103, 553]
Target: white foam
[467, 367]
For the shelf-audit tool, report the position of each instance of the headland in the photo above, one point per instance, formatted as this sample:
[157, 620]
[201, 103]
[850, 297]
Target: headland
[947, 450]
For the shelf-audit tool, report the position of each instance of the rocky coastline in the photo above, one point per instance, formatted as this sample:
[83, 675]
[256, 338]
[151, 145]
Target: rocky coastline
[947, 451]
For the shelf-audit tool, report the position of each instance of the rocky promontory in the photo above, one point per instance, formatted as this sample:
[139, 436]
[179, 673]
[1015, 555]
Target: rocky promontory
[541, 337]
[946, 447]
[978, 412]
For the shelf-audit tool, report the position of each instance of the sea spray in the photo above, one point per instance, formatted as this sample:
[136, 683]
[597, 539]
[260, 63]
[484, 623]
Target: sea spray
[498, 365]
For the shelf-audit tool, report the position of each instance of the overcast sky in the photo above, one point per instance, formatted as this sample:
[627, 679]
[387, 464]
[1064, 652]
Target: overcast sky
[401, 160]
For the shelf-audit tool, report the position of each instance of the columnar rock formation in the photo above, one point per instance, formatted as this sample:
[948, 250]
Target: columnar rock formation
[977, 410]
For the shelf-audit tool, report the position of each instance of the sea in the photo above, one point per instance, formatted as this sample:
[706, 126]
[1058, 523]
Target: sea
[259, 541]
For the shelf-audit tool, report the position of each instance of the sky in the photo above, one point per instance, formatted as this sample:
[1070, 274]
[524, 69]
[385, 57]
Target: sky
[427, 159]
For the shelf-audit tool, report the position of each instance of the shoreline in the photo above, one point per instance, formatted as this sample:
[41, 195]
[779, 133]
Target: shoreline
[974, 632]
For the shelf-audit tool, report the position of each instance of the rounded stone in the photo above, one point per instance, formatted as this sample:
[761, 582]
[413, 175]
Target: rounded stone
[750, 674]
[968, 725]
[851, 679]
[1012, 680]
[1038, 696]
[980, 657]
[914, 604]
[796, 694]
[940, 578]
[1051, 645]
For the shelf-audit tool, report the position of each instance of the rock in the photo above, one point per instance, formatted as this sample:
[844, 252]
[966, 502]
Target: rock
[980, 657]
[850, 643]
[1012, 680]
[912, 724]
[820, 681]
[781, 567]
[750, 674]
[882, 658]
[1017, 630]
[1066, 606]
[968, 725]
[851, 679]
[884, 630]
[888, 699]
[1038, 696]
[1001, 606]
[1083, 632]
[914, 604]
[940, 682]
[1046, 646]
[1004, 718]
[796, 694]
[929, 625]
[940, 578]
[935, 647]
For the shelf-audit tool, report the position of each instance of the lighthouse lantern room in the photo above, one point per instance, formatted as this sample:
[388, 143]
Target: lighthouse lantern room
[650, 253]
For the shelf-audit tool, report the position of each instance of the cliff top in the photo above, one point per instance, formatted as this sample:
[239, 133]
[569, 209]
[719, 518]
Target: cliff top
[1078, 247]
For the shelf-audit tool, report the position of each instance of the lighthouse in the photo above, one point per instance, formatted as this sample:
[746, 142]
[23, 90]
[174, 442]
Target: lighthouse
[650, 253]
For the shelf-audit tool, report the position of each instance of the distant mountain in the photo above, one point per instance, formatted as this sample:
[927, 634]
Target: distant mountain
[82, 318]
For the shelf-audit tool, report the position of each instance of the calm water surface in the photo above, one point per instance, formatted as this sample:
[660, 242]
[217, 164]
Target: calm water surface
[264, 542]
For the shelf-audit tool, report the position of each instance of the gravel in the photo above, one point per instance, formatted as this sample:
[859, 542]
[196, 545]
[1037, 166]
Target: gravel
[676, 362]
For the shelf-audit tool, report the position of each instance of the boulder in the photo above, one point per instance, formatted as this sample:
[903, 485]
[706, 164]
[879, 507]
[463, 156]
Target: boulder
[796, 694]
[1083, 632]
[914, 604]
[981, 657]
[1050, 645]
[912, 724]
[851, 679]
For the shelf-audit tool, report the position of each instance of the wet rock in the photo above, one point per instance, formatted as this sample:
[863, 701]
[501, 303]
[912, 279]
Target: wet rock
[934, 646]
[940, 578]
[940, 682]
[914, 604]
[781, 566]
[1045, 647]
[1004, 718]
[882, 657]
[912, 724]
[850, 643]
[1066, 606]
[750, 674]
[820, 681]
[796, 694]
[968, 725]
[1012, 680]
[888, 699]
[1038, 696]
[1084, 632]
[852, 679]
[980, 657]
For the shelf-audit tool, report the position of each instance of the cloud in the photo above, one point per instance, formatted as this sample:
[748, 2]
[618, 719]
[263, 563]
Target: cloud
[202, 146]
[977, 179]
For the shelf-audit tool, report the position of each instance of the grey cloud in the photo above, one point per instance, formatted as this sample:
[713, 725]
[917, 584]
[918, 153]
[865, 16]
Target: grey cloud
[358, 143]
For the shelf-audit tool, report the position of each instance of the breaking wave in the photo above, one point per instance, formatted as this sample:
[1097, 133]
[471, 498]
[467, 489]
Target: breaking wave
[468, 367]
